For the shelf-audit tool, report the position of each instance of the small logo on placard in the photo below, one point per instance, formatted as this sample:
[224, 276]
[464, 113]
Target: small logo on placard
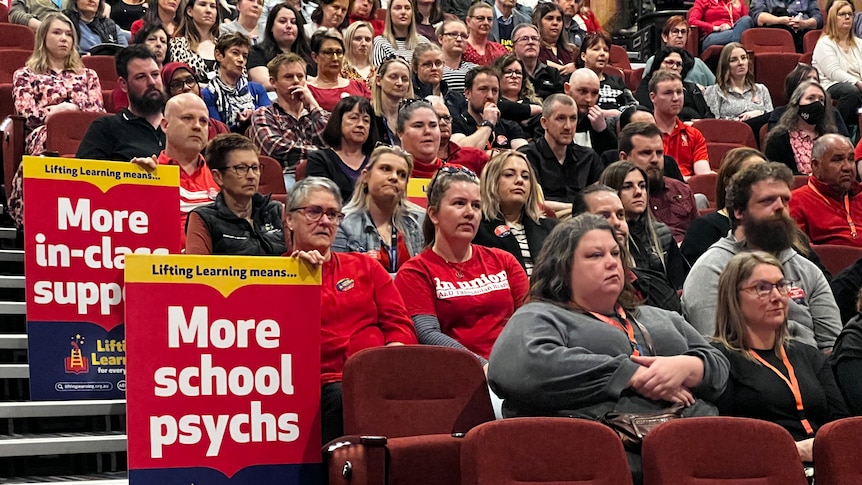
[345, 284]
[75, 362]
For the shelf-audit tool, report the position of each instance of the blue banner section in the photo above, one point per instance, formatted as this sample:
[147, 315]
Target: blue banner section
[307, 474]
[76, 360]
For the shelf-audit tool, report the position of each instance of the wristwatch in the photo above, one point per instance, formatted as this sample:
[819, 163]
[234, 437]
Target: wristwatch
[488, 124]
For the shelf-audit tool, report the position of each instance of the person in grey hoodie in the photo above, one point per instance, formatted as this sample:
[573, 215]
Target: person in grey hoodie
[757, 201]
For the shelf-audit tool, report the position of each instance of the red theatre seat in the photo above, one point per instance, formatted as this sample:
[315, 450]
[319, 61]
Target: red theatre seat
[836, 452]
[271, 179]
[810, 40]
[17, 37]
[771, 68]
[837, 257]
[723, 136]
[765, 39]
[619, 57]
[12, 59]
[705, 184]
[65, 130]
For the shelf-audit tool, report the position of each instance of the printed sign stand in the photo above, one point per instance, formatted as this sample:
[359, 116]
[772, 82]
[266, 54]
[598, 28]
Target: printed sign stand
[223, 370]
[82, 217]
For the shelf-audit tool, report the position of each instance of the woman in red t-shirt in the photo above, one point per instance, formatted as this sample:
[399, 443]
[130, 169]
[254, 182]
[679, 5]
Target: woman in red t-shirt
[459, 294]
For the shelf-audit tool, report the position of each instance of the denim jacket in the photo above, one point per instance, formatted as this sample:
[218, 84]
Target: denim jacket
[358, 234]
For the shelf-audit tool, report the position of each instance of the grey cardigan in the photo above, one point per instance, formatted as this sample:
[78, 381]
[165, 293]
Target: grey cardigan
[358, 234]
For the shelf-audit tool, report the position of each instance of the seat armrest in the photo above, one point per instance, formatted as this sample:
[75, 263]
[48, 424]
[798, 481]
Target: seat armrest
[356, 460]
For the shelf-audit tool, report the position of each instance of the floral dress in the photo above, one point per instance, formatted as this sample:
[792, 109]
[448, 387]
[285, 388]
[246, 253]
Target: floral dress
[493, 50]
[181, 51]
[350, 72]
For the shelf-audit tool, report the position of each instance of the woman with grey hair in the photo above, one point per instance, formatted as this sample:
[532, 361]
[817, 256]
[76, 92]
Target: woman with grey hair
[808, 116]
[379, 220]
[359, 305]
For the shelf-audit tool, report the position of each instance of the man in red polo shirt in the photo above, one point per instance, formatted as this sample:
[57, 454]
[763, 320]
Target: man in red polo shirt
[185, 124]
[829, 208]
[682, 142]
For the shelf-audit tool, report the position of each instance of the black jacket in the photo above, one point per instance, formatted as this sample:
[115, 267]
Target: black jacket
[536, 234]
[325, 163]
[233, 235]
[456, 102]
[546, 81]
[104, 27]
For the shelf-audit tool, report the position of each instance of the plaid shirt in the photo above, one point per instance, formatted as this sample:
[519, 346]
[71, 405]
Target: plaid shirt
[287, 139]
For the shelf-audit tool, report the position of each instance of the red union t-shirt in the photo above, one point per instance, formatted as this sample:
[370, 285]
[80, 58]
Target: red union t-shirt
[472, 309]
[686, 145]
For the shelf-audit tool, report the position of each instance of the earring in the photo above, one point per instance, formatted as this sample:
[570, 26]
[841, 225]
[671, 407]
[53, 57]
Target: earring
[365, 189]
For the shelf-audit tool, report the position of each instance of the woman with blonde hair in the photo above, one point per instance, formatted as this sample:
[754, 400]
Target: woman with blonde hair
[379, 220]
[512, 219]
[772, 377]
[400, 36]
[195, 39]
[735, 95]
[358, 39]
[838, 59]
[392, 84]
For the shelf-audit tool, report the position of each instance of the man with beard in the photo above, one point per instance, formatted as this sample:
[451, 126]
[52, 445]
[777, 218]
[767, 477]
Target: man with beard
[525, 43]
[828, 207]
[757, 200]
[481, 125]
[593, 130]
[135, 131]
[451, 152]
[562, 168]
[671, 200]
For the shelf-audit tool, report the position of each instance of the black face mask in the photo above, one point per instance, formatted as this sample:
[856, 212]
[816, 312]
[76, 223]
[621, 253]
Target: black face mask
[812, 114]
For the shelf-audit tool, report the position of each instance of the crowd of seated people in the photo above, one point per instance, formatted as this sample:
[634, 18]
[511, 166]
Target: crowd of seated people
[504, 121]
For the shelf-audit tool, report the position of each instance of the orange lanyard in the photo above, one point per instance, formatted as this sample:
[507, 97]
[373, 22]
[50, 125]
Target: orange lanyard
[623, 324]
[792, 383]
[850, 222]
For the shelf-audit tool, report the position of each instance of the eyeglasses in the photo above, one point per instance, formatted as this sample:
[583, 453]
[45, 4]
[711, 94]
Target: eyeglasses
[682, 32]
[764, 288]
[480, 18]
[445, 119]
[456, 35]
[845, 15]
[332, 53]
[429, 65]
[242, 169]
[513, 73]
[177, 84]
[670, 63]
[527, 38]
[314, 213]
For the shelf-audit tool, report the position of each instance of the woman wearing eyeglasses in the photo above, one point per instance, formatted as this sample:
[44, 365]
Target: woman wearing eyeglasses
[359, 304]
[478, 49]
[240, 221]
[675, 34]
[678, 60]
[771, 376]
[327, 50]
[399, 35]
[518, 101]
[178, 78]
[453, 36]
[556, 51]
[459, 294]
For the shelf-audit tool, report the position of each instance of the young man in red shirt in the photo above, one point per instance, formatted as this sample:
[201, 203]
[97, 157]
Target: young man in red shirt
[682, 142]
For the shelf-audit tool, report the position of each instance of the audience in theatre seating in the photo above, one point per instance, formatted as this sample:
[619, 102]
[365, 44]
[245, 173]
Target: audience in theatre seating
[240, 221]
[719, 22]
[349, 138]
[735, 95]
[371, 314]
[195, 39]
[757, 199]
[579, 347]
[670, 200]
[592, 130]
[578, 20]
[282, 34]
[640, 114]
[479, 49]
[684, 143]
[518, 101]
[678, 60]
[481, 125]
[459, 294]
[91, 25]
[126, 12]
[247, 22]
[526, 42]
[452, 36]
[651, 243]
[797, 17]
[399, 34]
[751, 330]
[805, 119]
[177, 78]
[428, 79]
[828, 206]
[329, 14]
[428, 15]
[230, 97]
[614, 96]
[289, 129]
[804, 72]
[379, 221]
[154, 37]
[53, 80]
[675, 34]
[556, 51]
[327, 50]
[451, 152]
[837, 57]
[418, 128]
[31, 12]
[366, 11]
[392, 84]
[847, 354]
[512, 218]
[651, 286]
[165, 12]
[562, 168]
[507, 15]
[357, 53]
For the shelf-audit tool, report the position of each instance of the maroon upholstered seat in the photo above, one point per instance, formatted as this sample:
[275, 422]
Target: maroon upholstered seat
[836, 452]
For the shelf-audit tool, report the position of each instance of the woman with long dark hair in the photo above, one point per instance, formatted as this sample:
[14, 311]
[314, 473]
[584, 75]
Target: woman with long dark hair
[327, 49]
[555, 51]
[284, 33]
[169, 13]
[195, 39]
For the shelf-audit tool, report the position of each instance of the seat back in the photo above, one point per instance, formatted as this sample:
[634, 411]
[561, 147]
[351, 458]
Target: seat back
[766, 39]
[836, 257]
[723, 136]
[17, 36]
[271, 176]
[414, 390]
[806, 58]
[692, 44]
[619, 57]
[799, 181]
[764, 134]
[705, 184]
[721, 450]
[106, 68]
[7, 103]
[633, 78]
[65, 130]
[13, 148]
[4, 13]
[809, 40]
[560, 451]
[12, 59]
[836, 452]
[771, 68]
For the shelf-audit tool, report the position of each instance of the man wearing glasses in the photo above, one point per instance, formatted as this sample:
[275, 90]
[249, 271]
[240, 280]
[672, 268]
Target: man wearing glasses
[506, 17]
[525, 43]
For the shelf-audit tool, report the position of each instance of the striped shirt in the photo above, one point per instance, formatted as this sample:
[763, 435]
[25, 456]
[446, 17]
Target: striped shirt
[455, 77]
[383, 49]
[521, 236]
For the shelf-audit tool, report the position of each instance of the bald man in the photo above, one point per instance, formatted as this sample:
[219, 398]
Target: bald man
[592, 130]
